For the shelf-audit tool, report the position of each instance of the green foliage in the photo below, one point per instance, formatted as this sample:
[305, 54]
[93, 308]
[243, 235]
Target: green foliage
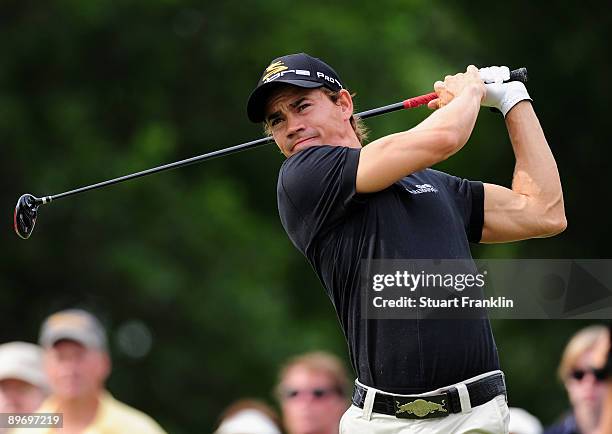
[94, 90]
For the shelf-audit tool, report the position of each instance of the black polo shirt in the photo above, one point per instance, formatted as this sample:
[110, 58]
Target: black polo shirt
[427, 215]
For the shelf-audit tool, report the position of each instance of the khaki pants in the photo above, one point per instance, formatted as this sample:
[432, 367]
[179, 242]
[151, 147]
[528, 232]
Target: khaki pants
[491, 417]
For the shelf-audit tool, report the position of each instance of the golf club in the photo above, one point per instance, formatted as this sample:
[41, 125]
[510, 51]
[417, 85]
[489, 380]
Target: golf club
[26, 210]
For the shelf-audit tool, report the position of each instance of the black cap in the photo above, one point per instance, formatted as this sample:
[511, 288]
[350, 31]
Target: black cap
[297, 69]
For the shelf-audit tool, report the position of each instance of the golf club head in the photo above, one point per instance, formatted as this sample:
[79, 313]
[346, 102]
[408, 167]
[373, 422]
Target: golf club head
[24, 218]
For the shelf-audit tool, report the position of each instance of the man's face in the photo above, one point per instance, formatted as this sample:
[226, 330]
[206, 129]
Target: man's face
[311, 402]
[17, 396]
[75, 371]
[587, 392]
[300, 118]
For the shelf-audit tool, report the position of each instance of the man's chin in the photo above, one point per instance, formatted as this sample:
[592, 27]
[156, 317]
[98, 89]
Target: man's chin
[308, 428]
[305, 145]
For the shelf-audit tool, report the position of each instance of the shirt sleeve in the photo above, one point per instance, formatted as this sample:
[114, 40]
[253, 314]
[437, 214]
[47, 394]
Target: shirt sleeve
[315, 188]
[469, 199]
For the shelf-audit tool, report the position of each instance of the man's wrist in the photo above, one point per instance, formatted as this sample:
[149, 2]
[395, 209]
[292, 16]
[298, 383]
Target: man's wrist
[474, 91]
[518, 107]
[515, 93]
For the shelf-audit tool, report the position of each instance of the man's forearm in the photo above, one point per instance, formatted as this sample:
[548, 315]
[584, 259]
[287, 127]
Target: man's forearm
[443, 133]
[535, 174]
[456, 118]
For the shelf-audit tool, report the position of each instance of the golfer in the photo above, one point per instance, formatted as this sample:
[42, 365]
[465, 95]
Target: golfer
[342, 204]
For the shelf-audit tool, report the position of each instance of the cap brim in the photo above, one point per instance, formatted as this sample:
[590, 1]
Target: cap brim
[27, 374]
[257, 101]
[55, 336]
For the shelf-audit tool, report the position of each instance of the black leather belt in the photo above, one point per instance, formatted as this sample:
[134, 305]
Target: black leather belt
[438, 405]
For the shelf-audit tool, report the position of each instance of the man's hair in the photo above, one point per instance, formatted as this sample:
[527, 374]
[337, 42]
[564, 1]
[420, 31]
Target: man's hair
[584, 340]
[361, 131]
[318, 361]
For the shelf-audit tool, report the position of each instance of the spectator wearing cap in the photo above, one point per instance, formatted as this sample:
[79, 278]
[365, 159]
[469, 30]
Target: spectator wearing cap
[77, 363]
[313, 390]
[583, 381]
[23, 385]
[523, 422]
[249, 416]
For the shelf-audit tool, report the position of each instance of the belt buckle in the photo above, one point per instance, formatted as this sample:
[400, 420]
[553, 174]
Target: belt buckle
[427, 407]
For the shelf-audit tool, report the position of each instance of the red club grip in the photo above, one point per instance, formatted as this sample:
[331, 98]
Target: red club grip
[419, 100]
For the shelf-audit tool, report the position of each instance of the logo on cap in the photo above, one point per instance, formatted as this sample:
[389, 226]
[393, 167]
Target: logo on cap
[274, 68]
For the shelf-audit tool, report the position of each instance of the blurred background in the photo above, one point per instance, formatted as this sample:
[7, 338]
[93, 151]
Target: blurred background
[201, 291]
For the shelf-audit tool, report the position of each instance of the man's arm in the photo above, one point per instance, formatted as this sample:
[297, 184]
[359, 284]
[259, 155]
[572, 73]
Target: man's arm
[534, 206]
[444, 132]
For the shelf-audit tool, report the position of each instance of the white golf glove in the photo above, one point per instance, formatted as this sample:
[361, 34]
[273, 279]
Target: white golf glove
[500, 95]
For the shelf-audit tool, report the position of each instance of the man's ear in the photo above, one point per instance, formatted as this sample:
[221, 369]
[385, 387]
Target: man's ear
[345, 101]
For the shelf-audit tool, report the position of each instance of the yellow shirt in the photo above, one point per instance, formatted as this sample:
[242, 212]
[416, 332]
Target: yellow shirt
[112, 417]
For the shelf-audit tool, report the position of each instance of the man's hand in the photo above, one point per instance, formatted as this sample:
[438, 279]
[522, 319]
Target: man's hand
[500, 95]
[454, 85]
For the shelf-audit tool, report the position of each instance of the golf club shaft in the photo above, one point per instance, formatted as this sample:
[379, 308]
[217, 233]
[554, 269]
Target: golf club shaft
[176, 164]
[515, 75]
[409, 103]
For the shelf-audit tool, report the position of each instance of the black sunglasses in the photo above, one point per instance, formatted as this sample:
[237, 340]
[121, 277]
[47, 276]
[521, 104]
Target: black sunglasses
[579, 374]
[316, 393]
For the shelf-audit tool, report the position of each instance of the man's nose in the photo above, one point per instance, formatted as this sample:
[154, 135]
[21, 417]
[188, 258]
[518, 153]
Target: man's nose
[294, 124]
[590, 378]
[68, 365]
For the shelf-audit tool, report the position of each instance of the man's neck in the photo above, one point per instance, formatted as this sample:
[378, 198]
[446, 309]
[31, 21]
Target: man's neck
[350, 139]
[79, 413]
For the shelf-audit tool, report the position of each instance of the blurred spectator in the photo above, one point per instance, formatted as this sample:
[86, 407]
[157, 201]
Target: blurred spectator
[523, 422]
[603, 360]
[313, 390]
[23, 385]
[584, 384]
[249, 416]
[77, 364]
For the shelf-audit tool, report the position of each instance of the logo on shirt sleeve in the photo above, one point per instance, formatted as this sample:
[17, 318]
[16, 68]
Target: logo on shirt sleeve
[422, 188]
